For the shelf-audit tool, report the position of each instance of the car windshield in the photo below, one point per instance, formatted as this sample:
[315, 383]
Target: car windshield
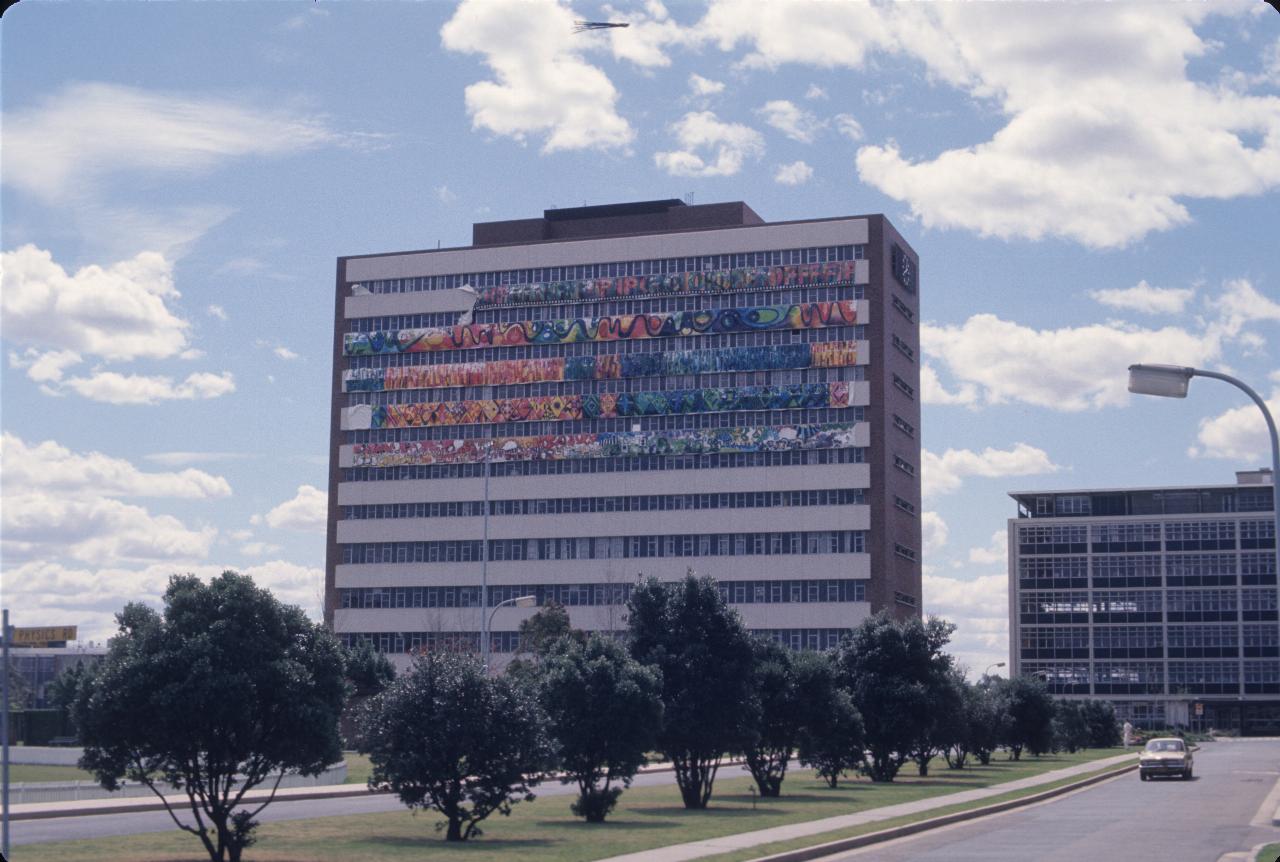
[1165, 745]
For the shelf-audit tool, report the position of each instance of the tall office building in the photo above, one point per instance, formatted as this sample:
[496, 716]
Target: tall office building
[636, 389]
[1160, 600]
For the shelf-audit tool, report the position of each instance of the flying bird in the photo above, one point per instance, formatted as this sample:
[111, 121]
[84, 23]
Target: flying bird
[580, 26]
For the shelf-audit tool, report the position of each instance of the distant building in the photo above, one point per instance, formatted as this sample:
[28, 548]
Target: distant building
[637, 389]
[39, 666]
[1160, 600]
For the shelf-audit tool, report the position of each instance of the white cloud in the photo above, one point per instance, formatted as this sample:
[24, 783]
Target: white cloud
[284, 353]
[115, 388]
[173, 459]
[1145, 298]
[259, 549]
[794, 174]
[980, 609]
[308, 511]
[945, 473]
[1072, 368]
[790, 119]
[848, 126]
[705, 86]
[730, 144]
[445, 195]
[650, 33]
[1239, 434]
[996, 553]
[812, 33]
[1240, 304]
[933, 392]
[47, 367]
[86, 131]
[543, 85]
[935, 532]
[119, 312]
[89, 597]
[216, 311]
[815, 92]
[53, 468]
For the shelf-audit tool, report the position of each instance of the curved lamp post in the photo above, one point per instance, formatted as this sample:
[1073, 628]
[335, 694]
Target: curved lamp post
[1172, 381]
[987, 672]
[519, 602]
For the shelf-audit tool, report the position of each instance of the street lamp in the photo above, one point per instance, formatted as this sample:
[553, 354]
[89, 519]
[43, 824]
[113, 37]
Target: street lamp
[1172, 381]
[987, 672]
[519, 602]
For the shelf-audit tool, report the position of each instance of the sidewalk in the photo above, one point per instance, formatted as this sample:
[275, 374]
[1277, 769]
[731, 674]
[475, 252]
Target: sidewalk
[746, 840]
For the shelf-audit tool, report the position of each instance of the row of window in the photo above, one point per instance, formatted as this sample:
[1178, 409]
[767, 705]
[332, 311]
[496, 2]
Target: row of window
[509, 641]
[600, 594]
[1150, 641]
[665, 422]
[1117, 606]
[621, 464]
[1147, 570]
[1200, 501]
[1155, 536]
[591, 348]
[606, 308]
[1190, 678]
[780, 377]
[610, 547]
[595, 505]
[618, 269]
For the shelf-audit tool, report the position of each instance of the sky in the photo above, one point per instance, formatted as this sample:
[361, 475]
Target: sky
[1087, 186]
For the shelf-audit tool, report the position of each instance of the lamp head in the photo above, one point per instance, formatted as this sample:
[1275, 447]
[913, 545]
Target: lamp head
[1167, 381]
[526, 601]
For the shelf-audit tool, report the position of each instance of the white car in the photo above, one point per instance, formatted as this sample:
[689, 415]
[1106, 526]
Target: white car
[1166, 755]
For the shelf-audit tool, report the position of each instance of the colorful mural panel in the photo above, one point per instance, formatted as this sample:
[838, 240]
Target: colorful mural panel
[608, 405]
[693, 441]
[673, 284]
[624, 327]
[604, 367]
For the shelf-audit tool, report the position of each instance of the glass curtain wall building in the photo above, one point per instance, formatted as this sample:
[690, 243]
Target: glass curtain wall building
[1160, 600]
[643, 389]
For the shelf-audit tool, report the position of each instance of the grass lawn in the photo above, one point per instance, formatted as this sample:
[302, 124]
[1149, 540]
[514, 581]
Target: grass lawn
[358, 767]
[546, 830]
[1270, 853]
[36, 772]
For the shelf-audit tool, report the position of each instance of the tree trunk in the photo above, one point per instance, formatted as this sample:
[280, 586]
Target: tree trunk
[454, 832]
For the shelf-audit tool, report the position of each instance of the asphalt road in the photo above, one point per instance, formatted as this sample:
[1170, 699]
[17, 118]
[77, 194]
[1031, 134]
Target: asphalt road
[1120, 820]
[101, 826]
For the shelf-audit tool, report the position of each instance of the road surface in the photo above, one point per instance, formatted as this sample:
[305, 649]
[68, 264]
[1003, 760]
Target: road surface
[1227, 807]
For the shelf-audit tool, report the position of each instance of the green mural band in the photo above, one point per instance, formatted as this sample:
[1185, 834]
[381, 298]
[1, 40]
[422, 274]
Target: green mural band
[692, 441]
[624, 327]
[505, 372]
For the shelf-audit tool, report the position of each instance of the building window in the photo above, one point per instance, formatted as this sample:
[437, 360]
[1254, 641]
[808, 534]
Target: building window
[902, 309]
[904, 552]
[904, 387]
[904, 505]
[904, 426]
[904, 465]
[904, 348]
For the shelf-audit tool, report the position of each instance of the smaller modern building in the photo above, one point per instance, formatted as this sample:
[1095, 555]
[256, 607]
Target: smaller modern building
[39, 666]
[1160, 600]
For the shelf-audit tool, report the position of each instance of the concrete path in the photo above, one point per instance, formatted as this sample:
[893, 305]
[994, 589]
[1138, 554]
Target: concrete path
[745, 840]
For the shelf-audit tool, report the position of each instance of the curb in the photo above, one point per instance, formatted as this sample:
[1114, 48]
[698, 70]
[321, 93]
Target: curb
[819, 850]
[145, 803]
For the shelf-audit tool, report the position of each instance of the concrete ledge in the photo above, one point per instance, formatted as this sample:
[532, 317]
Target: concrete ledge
[840, 845]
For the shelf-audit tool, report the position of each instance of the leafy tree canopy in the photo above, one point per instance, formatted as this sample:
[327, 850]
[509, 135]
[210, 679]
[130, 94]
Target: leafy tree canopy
[367, 670]
[703, 651]
[605, 710]
[832, 737]
[224, 689]
[447, 736]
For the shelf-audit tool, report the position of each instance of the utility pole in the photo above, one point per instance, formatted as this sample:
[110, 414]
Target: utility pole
[4, 735]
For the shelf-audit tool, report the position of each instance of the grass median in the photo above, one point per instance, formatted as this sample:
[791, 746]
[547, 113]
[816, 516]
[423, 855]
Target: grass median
[39, 772]
[545, 830]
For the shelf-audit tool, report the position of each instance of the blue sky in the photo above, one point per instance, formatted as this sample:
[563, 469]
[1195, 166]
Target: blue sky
[1087, 187]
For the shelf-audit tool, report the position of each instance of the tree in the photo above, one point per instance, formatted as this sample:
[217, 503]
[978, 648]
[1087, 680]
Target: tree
[703, 651]
[890, 668]
[832, 737]
[1104, 729]
[1026, 702]
[225, 689]
[780, 714]
[447, 736]
[1070, 727]
[63, 689]
[605, 710]
[988, 719]
[368, 671]
[946, 724]
[541, 631]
